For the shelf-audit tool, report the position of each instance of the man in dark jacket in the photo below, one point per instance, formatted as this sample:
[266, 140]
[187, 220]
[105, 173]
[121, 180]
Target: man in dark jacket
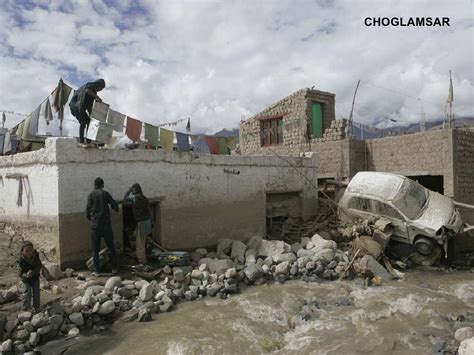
[82, 101]
[142, 216]
[98, 214]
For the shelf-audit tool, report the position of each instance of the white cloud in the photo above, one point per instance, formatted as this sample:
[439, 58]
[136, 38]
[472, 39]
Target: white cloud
[216, 61]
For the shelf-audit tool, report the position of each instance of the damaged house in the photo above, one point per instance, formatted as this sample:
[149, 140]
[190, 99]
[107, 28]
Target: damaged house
[442, 160]
[196, 200]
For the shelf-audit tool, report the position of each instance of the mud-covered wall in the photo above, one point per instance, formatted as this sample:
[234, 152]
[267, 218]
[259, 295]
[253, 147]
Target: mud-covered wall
[206, 198]
[29, 199]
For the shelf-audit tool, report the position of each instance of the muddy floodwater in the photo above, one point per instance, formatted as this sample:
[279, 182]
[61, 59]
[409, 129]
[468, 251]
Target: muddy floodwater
[413, 316]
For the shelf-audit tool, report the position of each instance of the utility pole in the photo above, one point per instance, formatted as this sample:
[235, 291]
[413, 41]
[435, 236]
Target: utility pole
[450, 100]
[352, 109]
[422, 120]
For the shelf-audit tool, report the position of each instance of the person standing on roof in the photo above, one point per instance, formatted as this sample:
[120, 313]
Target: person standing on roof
[81, 104]
[142, 216]
[98, 214]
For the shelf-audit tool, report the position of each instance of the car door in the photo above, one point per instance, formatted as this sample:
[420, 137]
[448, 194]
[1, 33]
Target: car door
[382, 209]
[360, 207]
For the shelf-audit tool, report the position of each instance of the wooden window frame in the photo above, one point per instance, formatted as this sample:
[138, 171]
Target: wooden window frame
[268, 124]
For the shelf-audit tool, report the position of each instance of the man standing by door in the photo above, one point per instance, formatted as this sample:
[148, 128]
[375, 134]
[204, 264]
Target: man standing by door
[142, 216]
[98, 214]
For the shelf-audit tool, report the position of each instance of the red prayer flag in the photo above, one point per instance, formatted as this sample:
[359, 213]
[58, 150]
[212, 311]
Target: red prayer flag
[212, 143]
[134, 129]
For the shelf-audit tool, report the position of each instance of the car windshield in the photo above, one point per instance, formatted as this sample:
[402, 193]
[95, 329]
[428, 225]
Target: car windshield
[411, 198]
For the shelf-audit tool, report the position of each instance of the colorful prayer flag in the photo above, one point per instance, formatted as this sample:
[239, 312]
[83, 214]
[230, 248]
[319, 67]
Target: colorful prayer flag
[133, 129]
[166, 139]
[151, 134]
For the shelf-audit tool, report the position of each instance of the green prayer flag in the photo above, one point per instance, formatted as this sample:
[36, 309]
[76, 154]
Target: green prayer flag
[151, 134]
[222, 145]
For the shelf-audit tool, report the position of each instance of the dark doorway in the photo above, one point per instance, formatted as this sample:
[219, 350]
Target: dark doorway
[280, 207]
[432, 182]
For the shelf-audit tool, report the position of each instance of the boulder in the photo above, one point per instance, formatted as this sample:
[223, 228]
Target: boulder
[282, 268]
[54, 271]
[224, 246]
[129, 315]
[146, 293]
[203, 267]
[463, 334]
[290, 257]
[197, 274]
[238, 251]
[87, 299]
[230, 273]
[39, 320]
[254, 242]
[305, 253]
[466, 347]
[7, 345]
[28, 326]
[125, 292]
[326, 254]
[367, 262]
[102, 297]
[112, 283]
[178, 274]
[144, 315]
[166, 304]
[24, 316]
[77, 318]
[34, 339]
[44, 330]
[201, 251]
[73, 332]
[56, 321]
[220, 266]
[69, 272]
[304, 241]
[273, 248]
[106, 307]
[21, 334]
[321, 243]
[253, 272]
[9, 295]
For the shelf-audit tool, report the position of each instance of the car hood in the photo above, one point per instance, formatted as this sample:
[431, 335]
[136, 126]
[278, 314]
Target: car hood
[439, 212]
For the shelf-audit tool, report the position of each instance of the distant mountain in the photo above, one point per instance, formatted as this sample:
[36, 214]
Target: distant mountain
[234, 132]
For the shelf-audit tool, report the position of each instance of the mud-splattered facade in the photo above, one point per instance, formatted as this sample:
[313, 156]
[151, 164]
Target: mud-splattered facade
[198, 200]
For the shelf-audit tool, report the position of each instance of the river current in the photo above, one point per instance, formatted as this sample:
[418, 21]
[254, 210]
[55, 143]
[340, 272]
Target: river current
[416, 315]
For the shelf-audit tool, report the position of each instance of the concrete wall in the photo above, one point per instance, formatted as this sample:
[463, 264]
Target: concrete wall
[463, 147]
[425, 153]
[205, 199]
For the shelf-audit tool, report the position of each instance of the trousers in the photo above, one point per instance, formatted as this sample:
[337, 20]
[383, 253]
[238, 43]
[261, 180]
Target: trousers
[97, 234]
[32, 288]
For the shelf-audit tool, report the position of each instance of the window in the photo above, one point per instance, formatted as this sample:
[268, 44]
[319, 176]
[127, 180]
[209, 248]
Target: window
[359, 203]
[386, 210]
[316, 120]
[271, 131]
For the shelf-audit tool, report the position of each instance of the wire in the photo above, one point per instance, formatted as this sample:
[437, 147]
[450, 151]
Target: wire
[398, 92]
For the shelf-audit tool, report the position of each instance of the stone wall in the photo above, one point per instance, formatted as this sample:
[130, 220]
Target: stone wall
[295, 110]
[206, 198]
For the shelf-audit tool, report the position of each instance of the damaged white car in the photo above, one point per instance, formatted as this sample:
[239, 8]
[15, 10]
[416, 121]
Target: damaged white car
[418, 216]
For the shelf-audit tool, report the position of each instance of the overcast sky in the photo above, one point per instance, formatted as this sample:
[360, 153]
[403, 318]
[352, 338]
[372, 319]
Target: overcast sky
[218, 61]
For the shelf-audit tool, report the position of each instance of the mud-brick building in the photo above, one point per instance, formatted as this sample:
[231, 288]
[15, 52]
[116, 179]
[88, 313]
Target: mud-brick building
[442, 160]
[196, 200]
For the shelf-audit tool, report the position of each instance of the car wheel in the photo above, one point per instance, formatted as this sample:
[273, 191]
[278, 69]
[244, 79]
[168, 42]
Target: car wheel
[424, 246]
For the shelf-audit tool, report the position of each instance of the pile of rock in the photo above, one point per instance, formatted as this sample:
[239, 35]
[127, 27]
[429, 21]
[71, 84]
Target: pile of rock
[214, 274]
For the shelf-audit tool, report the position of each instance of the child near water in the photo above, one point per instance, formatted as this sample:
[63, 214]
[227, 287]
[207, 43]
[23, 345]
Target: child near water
[29, 268]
